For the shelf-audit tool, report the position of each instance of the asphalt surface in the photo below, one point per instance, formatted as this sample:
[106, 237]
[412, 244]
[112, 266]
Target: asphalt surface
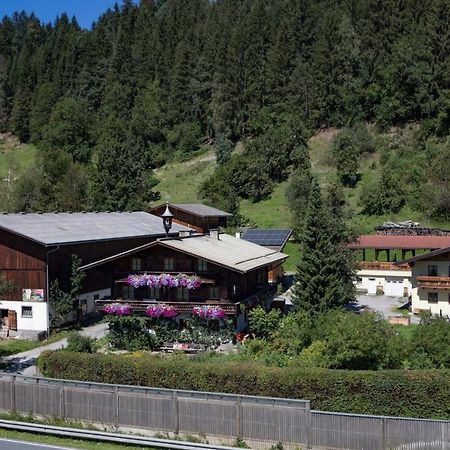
[25, 363]
[12, 444]
[383, 304]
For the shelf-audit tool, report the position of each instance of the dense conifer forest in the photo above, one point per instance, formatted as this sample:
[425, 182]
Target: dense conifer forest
[161, 79]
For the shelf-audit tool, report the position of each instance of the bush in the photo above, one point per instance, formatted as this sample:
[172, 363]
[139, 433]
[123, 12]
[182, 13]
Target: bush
[263, 323]
[430, 343]
[78, 343]
[130, 333]
[413, 393]
[355, 341]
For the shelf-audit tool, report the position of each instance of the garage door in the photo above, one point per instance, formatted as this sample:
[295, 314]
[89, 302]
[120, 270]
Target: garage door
[394, 287]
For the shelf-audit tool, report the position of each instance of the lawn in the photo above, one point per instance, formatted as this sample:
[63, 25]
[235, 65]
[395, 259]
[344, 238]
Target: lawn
[291, 249]
[13, 346]
[15, 157]
[179, 182]
[66, 442]
[405, 331]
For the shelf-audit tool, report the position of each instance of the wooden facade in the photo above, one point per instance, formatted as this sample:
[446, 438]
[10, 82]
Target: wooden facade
[219, 284]
[26, 262]
[22, 261]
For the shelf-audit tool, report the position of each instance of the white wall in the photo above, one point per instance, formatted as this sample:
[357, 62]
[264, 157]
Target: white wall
[39, 321]
[90, 298]
[381, 276]
[420, 295]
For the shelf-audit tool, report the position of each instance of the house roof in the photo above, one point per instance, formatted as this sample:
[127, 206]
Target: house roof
[65, 228]
[228, 251]
[198, 209]
[272, 238]
[424, 256]
[385, 242]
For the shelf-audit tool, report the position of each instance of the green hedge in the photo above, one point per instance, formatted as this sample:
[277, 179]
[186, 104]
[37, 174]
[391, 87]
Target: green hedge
[420, 393]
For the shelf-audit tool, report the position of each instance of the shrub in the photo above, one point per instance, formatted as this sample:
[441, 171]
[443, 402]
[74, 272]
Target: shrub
[130, 333]
[263, 323]
[355, 341]
[413, 393]
[430, 343]
[78, 343]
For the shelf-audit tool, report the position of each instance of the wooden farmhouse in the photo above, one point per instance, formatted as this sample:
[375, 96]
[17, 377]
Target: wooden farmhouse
[231, 272]
[36, 250]
[196, 216]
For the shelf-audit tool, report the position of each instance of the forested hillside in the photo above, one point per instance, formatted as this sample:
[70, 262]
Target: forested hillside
[159, 81]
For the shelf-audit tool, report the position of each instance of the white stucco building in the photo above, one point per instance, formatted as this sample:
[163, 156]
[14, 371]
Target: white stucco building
[384, 278]
[431, 282]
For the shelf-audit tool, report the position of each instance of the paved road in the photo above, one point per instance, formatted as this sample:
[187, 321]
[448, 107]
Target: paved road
[383, 304]
[24, 363]
[12, 444]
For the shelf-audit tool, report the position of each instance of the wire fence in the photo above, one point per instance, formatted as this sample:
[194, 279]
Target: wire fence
[263, 419]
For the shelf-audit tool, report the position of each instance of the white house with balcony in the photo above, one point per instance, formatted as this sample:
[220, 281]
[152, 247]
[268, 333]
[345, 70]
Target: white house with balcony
[381, 273]
[431, 281]
[375, 277]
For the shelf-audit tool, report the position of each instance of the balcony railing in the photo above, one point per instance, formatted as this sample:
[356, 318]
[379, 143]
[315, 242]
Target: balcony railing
[379, 265]
[433, 282]
[231, 309]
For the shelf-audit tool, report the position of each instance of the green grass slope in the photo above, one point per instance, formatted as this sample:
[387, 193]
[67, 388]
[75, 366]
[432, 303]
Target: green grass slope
[14, 156]
[181, 181]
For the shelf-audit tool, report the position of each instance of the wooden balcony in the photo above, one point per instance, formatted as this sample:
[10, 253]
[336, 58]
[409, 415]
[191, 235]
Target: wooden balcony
[380, 265]
[231, 309]
[433, 282]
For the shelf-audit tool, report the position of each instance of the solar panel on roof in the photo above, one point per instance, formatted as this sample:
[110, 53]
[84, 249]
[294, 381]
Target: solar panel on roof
[267, 238]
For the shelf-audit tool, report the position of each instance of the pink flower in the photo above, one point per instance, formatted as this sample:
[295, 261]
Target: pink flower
[208, 312]
[156, 311]
[164, 279]
[118, 309]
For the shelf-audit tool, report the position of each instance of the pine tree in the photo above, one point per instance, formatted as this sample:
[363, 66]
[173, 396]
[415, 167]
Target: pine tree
[20, 114]
[320, 283]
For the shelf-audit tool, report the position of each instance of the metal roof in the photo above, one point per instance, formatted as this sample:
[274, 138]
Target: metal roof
[273, 238]
[201, 210]
[65, 228]
[227, 251]
[384, 242]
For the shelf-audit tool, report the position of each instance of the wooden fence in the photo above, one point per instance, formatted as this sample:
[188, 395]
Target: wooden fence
[221, 415]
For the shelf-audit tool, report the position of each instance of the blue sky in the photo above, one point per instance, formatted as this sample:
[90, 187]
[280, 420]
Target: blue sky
[86, 11]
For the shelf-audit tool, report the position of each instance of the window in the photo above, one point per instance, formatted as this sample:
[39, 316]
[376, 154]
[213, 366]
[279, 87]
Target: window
[153, 292]
[432, 297]
[27, 312]
[96, 296]
[202, 265]
[182, 294]
[432, 271]
[169, 264]
[260, 276]
[136, 264]
[128, 292]
[214, 292]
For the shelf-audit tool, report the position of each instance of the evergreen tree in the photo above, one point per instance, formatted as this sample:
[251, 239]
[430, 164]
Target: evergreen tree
[320, 284]
[20, 114]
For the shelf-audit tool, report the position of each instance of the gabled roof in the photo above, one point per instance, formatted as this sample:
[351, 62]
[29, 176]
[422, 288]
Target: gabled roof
[424, 256]
[66, 228]
[385, 242]
[198, 209]
[230, 252]
[272, 238]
